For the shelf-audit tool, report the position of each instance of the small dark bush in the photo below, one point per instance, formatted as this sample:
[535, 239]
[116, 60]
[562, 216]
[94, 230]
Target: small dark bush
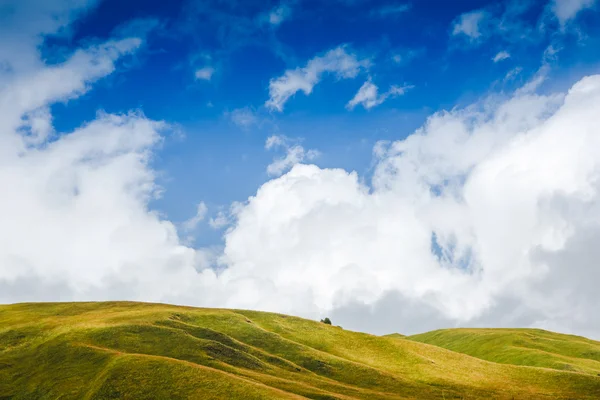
[326, 321]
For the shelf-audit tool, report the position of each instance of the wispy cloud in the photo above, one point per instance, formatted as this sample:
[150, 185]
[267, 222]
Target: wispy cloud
[510, 21]
[338, 61]
[243, 117]
[513, 73]
[193, 222]
[279, 14]
[390, 10]
[503, 55]
[471, 24]
[294, 154]
[404, 56]
[368, 95]
[220, 221]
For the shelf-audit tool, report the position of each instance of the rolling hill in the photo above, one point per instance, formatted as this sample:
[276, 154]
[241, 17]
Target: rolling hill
[155, 351]
[533, 347]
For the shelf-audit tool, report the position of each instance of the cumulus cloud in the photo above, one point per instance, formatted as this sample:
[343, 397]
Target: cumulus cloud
[294, 154]
[205, 73]
[470, 24]
[485, 209]
[566, 10]
[76, 223]
[338, 61]
[503, 55]
[368, 95]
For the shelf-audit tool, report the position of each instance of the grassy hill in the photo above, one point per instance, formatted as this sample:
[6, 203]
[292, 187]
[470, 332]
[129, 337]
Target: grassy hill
[533, 347]
[154, 351]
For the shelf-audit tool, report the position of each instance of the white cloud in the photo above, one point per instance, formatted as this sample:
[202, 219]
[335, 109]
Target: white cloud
[205, 73]
[243, 117]
[294, 154]
[506, 21]
[193, 222]
[503, 55]
[275, 141]
[398, 90]
[566, 10]
[23, 24]
[390, 10]
[470, 24]
[279, 14]
[368, 95]
[338, 61]
[32, 90]
[513, 73]
[551, 53]
[76, 223]
[220, 221]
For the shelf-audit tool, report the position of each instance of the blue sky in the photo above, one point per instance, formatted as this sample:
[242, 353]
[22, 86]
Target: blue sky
[212, 159]
[395, 165]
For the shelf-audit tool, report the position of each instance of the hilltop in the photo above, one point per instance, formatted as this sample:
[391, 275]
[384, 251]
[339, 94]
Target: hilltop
[155, 351]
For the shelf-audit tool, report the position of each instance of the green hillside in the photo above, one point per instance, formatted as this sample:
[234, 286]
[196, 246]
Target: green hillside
[154, 351]
[533, 347]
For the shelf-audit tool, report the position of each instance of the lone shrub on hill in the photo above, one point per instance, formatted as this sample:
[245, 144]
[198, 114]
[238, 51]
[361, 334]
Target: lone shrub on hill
[326, 321]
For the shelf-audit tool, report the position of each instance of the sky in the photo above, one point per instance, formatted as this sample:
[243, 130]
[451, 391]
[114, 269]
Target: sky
[397, 166]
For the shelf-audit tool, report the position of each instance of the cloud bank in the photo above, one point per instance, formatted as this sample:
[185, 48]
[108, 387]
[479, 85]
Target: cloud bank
[482, 207]
[76, 223]
[487, 215]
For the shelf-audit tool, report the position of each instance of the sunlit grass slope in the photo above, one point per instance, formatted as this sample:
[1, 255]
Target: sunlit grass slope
[153, 351]
[534, 347]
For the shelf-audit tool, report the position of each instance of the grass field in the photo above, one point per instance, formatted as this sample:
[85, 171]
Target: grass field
[153, 351]
[533, 347]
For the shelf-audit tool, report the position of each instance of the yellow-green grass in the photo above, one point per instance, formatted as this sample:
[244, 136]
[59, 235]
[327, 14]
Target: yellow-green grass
[533, 347]
[395, 335]
[155, 351]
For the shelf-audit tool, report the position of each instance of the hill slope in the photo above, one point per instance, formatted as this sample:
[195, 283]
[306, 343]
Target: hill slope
[533, 347]
[154, 351]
